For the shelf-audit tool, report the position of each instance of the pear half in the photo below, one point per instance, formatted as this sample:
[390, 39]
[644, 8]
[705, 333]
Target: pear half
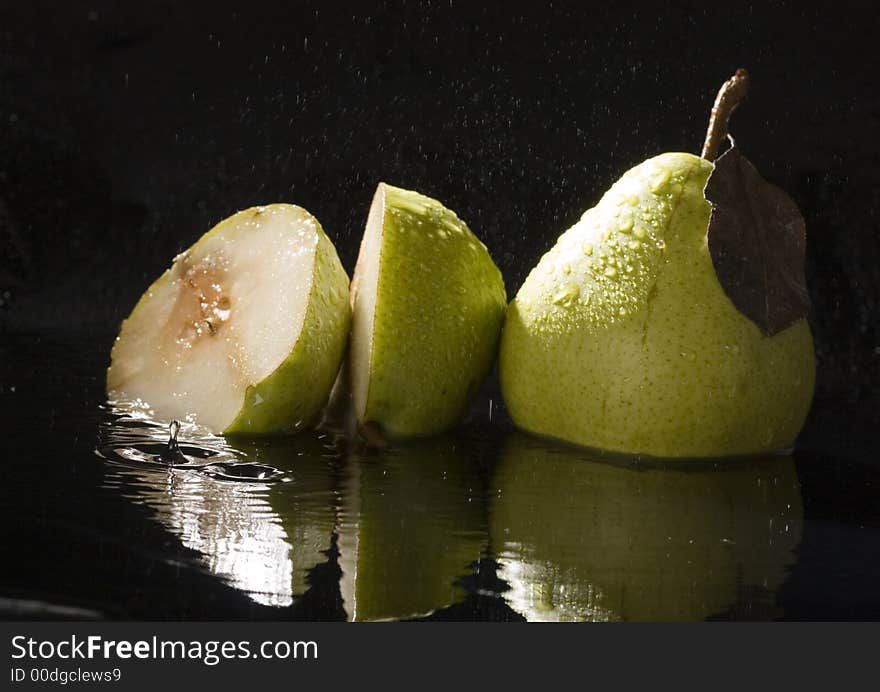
[245, 332]
[428, 303]
[623, 339]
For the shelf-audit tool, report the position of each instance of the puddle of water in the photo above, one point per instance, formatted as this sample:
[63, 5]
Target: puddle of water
[580, 539]
[480, 524]
[262, 515]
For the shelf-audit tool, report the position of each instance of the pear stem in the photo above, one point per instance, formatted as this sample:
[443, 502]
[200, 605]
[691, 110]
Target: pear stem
[731, 93]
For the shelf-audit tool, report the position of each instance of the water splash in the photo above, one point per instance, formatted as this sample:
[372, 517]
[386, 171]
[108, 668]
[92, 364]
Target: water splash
[132, 437]
[259, 526]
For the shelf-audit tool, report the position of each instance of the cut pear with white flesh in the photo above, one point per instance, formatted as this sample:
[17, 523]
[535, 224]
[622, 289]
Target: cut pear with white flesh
[245, 332]
[428, 307]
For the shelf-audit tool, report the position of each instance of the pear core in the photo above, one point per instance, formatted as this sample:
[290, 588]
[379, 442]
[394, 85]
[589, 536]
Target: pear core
[622, 338]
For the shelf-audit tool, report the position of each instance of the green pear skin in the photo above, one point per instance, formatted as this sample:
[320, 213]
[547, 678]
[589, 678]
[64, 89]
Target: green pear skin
[428, 308]
[622, 338]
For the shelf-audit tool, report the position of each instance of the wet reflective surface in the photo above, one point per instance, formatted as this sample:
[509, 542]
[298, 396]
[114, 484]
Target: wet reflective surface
[102, 518]
[585, 540]
[220, 500]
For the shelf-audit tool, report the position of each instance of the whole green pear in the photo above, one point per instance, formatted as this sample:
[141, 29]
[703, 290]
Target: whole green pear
[622, 337]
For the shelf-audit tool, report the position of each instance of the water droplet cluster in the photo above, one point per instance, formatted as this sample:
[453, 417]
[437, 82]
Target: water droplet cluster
[606, 264]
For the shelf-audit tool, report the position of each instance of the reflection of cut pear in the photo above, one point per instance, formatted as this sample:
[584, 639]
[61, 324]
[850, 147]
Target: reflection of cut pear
[245, 332]
[585, 540]
[413, 521]
[304, 505]
[261, 538]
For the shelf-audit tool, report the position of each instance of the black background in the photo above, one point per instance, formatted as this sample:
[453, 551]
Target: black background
[128, 129]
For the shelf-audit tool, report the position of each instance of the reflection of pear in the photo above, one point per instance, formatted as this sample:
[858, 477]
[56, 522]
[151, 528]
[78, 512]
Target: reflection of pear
[261, 538]
[305, 504]
[413, 521]
[586, 540]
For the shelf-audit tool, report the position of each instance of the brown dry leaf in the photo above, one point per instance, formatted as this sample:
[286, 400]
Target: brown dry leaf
[757, 239]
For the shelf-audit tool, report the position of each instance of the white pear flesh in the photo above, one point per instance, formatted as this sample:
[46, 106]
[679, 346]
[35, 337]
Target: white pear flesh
[245, 332]
[428, 304]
